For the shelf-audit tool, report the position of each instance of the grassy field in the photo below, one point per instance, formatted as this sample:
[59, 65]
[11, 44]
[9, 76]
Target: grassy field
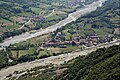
[87, 26]
[36, 10]
[67, 34]
[23, 52]
[56, 14]
[103, 31]
[12, 27]
[69, 49]
[25, 14]
[36, 40]
[44, 52]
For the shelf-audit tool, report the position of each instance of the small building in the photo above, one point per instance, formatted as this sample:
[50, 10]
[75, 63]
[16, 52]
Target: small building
[117, 31]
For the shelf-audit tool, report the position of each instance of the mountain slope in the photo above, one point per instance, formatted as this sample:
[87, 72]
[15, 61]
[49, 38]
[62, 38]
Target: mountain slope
[103, 64]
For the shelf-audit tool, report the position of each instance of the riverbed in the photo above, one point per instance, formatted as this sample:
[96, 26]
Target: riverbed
[71, 17]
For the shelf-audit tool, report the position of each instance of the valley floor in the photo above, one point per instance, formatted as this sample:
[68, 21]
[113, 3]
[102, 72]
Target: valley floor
[56, 60]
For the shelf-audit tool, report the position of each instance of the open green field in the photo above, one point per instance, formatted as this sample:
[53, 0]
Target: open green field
[67, 34]
[34, 41]
[36, 10]
[23, 52]
[44, 52]
[12, 27]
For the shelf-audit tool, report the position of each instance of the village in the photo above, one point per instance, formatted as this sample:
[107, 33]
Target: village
[88, 41]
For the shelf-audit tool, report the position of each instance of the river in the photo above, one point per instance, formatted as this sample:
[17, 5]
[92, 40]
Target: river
[53, 59]
[57, 60]
[71, 17]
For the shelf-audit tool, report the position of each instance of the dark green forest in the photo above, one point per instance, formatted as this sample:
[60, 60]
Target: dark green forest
[103, 64]
[106, 16]
[98, 26]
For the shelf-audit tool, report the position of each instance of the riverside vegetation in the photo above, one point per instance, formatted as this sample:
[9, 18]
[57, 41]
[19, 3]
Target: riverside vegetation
[102, 64]
[43, 13]
[89, 24]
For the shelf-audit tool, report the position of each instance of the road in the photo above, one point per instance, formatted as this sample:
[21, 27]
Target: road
[60, 59]
[50, 13]
[71, 17]
[25, 24]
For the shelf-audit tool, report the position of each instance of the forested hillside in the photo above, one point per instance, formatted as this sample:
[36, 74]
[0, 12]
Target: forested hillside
[78, 30]
[94, 29]
[108, 15]
[103, 64]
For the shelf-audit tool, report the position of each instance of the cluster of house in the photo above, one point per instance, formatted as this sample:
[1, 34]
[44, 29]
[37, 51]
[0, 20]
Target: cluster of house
[37, 18]
[22, 20]
[90, 40]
